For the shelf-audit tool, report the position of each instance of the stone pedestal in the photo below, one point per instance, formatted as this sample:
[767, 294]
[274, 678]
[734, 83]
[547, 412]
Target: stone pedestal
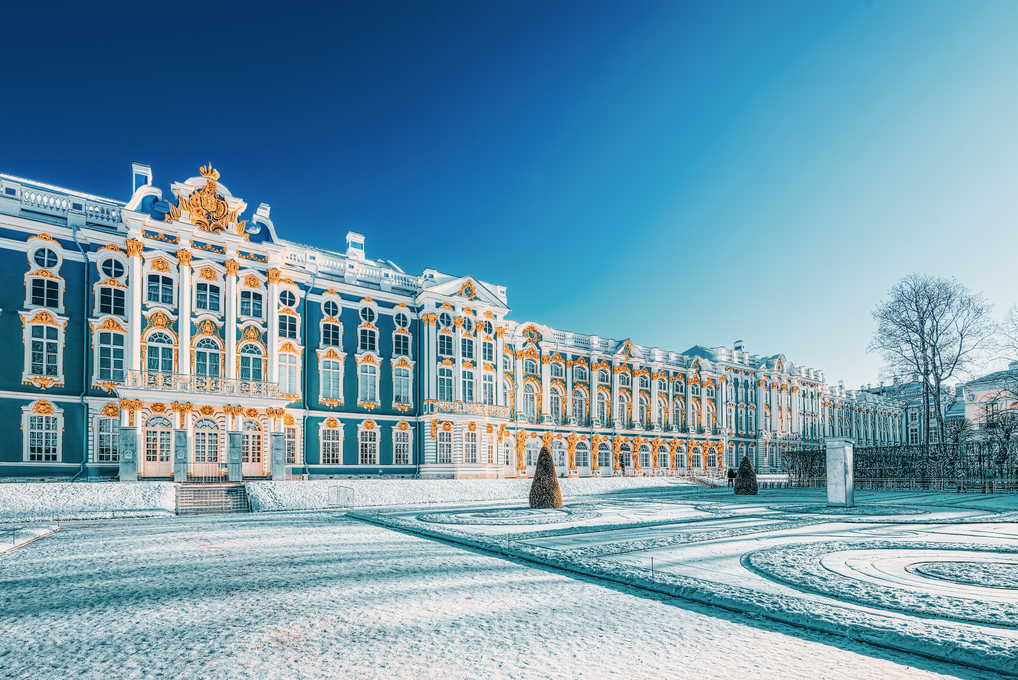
[234, 462]
[128, 445]
[840, 482]
[180, 455]
[278, 447]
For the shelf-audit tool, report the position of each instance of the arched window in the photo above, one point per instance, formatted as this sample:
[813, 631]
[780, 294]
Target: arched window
[251, 443]
[580, 406]
[625, 413]
[662, 385]
[158, 440]
[579, 372]
[206, 441]
[694, 421]
[251, 362]
[604, 456]
[708, 391]
[625, 456]
[582, 455]
[557, 405]
[206, 357]
[680, 457]
[532, 451]
[644, 382]
[159, 353]
[602, 377]
[712, 459]
[662, 457]
[558, 370]
[697, 462]
[624, 379]
[662, 412]
[694, 390]
[644, 456]
[530, 366]
[602, 408]
[558, 453]
[711, 415]
[679, 414]
[530, 402]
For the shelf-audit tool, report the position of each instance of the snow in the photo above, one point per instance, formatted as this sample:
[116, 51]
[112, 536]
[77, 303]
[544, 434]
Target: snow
[315, 495]
[16, 536]
[34, 502]
[318, 595]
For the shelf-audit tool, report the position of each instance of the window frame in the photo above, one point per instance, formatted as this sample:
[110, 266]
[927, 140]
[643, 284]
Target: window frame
[51, 417]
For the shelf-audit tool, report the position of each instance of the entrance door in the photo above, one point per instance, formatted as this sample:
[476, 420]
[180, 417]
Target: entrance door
[251, 450]
[207, 463]
[158, 447]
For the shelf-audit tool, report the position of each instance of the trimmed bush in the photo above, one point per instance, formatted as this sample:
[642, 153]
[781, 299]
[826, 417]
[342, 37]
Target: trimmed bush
[745, 481]
[544, 492]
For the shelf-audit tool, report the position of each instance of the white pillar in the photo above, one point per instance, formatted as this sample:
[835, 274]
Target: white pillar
[184, 313]
[272, 315]
[545, 389]
[570, 417]
[653, 405]
[499, 375]
[135, 291]
[230, 311]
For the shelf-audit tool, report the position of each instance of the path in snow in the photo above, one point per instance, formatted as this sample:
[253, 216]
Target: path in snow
[319, 595]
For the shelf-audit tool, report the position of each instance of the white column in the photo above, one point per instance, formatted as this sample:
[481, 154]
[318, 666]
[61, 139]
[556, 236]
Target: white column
[519, 387]
[272, 315]
[720, 407]
[184, 313]
[230, 311]
[545, 389]
[653, 404]
[457, 374]
[570, 419]
[616, 404]
[761, 385]
[135, 291]
[499, 375]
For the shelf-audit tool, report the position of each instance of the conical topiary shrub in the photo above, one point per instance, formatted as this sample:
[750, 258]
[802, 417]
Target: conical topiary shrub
[745, 482]
[544, 491]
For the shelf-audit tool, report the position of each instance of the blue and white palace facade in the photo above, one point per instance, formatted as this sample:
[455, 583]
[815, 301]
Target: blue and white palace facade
[177, 333]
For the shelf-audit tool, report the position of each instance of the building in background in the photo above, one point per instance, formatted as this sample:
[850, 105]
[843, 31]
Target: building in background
[198, 331]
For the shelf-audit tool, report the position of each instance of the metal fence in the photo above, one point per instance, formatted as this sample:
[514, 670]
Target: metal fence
[937, 467]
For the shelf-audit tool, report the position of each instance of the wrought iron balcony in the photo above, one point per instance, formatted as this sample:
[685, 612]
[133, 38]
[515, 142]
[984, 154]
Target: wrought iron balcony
[199, 384]
[466, 408]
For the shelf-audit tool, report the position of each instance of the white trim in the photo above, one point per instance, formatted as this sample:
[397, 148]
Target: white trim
[28, 412]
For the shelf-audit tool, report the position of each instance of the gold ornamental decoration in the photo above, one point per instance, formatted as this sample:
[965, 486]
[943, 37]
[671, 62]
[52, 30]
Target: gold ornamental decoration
[251, 413]
[331, 423]
[369, 424]
[42, 407]
[206, 410]
[111, 410]
[206, 208]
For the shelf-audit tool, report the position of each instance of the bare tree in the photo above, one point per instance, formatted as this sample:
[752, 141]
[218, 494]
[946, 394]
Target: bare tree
[929, 330]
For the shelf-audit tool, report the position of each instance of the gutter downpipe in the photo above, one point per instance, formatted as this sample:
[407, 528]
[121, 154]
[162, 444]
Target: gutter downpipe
[304, 368]
[417, 403]
[84, 362]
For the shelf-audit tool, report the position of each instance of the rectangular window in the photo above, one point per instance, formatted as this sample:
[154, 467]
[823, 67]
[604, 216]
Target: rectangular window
[160, 289]
[468, 386]
[445, 447]
[401, 345]
[369, 447]
[445, 345]
[291, 445]
[470, 447]
[488, 351]
[366, 384]
[445, 384]
[332, 448]
[208, 297]
[467, 348]
[332, 388]
[288, 326]
[106, 441]
[330, 335]
[367, 340]
[44, 350]
[111, 301]
[111, 356]
[250, 304]
[43, 433]
[287, 374]
[488, 389]
[45, 293]
[401, 447]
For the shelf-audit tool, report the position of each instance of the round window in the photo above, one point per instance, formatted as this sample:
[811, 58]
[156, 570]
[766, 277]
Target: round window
[445, 319]
[112, 268]
[287, 299]
[44, 257]
[367, 315]
[330, 308]
[401, 320]
[468, 325]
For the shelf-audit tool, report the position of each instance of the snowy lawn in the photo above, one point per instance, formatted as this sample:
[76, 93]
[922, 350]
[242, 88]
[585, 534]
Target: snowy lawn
[33, 502]
[318, 595]
[15, 536]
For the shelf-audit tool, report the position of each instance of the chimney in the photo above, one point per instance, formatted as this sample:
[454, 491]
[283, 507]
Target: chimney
[354, 246]
[739, 346]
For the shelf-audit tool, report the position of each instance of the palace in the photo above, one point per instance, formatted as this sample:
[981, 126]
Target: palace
[169, 337]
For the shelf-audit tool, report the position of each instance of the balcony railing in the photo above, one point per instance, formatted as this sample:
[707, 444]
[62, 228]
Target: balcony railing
[200, 384]
[466, 408]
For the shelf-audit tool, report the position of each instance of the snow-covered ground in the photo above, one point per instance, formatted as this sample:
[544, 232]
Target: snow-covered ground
[14, 536]
[35, 502]
[843, 574]
[319, 595]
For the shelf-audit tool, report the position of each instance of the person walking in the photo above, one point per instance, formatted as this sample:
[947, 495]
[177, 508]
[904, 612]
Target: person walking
[731, 476]
[961, 480]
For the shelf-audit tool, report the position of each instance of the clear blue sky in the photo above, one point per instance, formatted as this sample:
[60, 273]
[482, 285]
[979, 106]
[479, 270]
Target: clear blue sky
[679, 173]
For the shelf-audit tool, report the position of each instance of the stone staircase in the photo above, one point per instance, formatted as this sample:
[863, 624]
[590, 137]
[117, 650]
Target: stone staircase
[199, 499]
